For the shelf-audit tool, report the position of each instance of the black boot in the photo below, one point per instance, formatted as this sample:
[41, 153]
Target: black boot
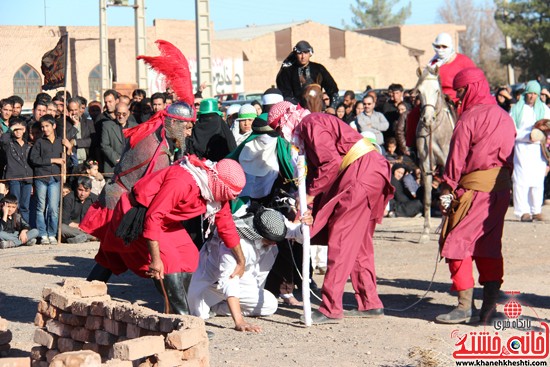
[99, 273]
[491, 292]
[174, 290]
[464, 312]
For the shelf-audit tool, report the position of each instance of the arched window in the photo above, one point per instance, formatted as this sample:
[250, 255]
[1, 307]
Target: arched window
[94, 84]
[27, 83]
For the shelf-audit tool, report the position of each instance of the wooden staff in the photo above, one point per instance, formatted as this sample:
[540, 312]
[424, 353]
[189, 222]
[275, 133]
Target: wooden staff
[64, 154]
[301, 175]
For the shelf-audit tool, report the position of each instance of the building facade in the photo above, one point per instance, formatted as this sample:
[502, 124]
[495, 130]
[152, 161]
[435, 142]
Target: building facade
[245, 59]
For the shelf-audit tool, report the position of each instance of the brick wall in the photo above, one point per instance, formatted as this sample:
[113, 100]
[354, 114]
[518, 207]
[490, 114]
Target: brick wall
[78, 324]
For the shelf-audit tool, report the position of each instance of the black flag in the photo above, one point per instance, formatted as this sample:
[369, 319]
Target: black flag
[54, 65]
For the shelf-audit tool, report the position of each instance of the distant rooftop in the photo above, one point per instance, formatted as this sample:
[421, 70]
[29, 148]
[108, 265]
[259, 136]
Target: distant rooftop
[252, 31]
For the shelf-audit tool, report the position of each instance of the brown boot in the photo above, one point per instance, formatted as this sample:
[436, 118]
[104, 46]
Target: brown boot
[464, 312]
[491, 292]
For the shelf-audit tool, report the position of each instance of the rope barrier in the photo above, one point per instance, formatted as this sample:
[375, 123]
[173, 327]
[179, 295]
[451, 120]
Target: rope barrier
[3, 180]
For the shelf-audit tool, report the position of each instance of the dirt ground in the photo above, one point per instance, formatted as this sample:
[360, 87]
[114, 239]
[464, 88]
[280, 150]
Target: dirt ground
[401, 338]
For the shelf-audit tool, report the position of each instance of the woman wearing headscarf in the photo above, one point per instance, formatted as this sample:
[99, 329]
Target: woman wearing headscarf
[476, 184]
[529, 163]
[161, 248]
[348, 186]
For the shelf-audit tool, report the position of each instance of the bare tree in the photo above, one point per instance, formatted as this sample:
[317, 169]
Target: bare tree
[482, 40]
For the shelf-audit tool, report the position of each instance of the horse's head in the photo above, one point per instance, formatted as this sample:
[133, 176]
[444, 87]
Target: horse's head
[429, 89]
[312, 98]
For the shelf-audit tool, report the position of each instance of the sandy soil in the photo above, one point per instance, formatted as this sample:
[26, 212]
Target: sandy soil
[401, 338]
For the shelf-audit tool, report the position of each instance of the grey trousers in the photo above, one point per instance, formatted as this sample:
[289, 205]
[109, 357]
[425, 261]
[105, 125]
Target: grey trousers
[14, 237]
[70, 232]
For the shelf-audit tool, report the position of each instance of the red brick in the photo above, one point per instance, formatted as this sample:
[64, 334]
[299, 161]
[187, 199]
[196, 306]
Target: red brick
[114, 327]
[5, 337]
[83, 335]
[133, 331]
[4, 324]
[73, 320]
[52, 312]
[90, 289]
[43, 306]
[58, 328]
[68, 345]
[79, 358]
[94, 322]
[97, 308]
[185, 339]
[62, 300]
[15, 362]
[50, 354]
[46, 291]
[38, 353]
[40, 320]
[169, 358]
[138, 348]
[150, 322]
[80, 308]
[104, 338]
[196, 352]
[44, 338]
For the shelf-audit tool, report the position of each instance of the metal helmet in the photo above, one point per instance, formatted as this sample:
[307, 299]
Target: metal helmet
[178, 115]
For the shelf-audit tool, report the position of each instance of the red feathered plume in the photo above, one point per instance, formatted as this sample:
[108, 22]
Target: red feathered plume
[173, 65]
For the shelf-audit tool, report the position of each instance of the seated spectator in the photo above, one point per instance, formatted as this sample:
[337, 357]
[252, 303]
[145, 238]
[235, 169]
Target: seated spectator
[18, 172]
[213, 291]
[66, 189]
[46, 159]
[14, 231]
[391, 151]
[75, 206]
[412, 182]
[403, 204]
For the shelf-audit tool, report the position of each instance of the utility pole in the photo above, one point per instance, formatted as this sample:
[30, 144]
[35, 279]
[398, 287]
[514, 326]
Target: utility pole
[141, 43]
[509, 67]
[103, 48]
[204, 58]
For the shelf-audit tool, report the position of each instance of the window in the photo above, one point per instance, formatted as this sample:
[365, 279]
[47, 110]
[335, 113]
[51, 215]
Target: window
[94, 84]
[27, 83]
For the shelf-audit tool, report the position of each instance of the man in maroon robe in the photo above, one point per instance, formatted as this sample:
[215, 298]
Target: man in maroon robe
[348, 183]
[478, 176]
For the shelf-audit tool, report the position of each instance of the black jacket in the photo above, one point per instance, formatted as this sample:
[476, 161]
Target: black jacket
[288, 81]
[16, 223]
[17, 158]
[41, 156]
[74, 210]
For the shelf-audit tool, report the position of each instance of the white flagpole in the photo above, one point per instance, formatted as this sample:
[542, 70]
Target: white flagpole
[301, 175]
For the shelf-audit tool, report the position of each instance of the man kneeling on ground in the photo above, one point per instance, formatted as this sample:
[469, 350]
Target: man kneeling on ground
[213, 291]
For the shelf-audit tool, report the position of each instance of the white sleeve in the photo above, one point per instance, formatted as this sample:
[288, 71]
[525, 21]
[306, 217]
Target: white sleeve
[294, 231]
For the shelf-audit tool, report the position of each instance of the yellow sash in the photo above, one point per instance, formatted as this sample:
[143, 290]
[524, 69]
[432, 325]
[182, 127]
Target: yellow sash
[358, 150]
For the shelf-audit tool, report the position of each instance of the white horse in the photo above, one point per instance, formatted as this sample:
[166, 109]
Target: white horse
[433, 135]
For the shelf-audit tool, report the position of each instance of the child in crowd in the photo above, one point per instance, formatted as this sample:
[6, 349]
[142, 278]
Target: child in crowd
[91, 168]
[14, 231]
[66, 189]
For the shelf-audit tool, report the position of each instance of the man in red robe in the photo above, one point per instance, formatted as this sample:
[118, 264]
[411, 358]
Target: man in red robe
[348, 183]
[478, 176]
[163, 250]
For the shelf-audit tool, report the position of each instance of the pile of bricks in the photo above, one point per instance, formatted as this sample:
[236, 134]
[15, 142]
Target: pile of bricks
[80, 325]
[5, 337]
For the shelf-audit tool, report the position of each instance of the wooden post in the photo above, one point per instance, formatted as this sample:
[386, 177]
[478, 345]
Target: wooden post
[64, 154]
